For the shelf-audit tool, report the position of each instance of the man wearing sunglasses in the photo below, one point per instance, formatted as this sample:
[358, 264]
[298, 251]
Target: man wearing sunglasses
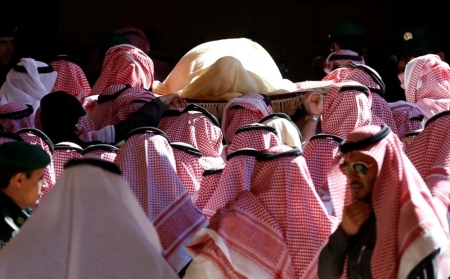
[389, 226]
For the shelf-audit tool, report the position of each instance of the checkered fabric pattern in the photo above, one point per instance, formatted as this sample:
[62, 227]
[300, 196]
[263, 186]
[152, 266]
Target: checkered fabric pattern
[380, 107]
[14, 124]
[253, 109]
[344, 111]
[319, 155]
[37, 119]
[128, 102]
[254, 138]
[332, 62]
[188, 167]
[405, 117]
[208, 185]
[64, 152]
[196, 129]
[148, 165]
[402, 204]
[70, 79]
[427, 84]
[101, 152]
[256, 250]
[285, 188]
[125, 64]
[7, 137]
[36, 137]
[409, 138]
[100, 114]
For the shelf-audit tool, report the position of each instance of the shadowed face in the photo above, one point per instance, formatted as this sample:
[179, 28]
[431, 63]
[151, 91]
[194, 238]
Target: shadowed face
[361, 171]
[6, 50]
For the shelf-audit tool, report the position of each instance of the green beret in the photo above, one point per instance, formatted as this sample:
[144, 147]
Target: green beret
[410, 41]
[22, 155]
[346, 30]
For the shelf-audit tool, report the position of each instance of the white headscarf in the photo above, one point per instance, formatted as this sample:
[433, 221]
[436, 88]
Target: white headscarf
[89, 226]
[27, 88]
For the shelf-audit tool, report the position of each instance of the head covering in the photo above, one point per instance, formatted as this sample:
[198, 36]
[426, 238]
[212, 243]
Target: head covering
[409, 138]
[103, 151]
[136, 37]
[27, 82]
[341, 58]
[125, 64]
[60, 113]
[244, 110]
[37, 137]
[224, 69]
[148, 165]
[410, 42]
[407, 117]
[128, 102]
[434, 141]
[369, 78]
[282, 184]
[346, 107]
[254, 136]
[408, 228]
[15, 116]
[71, 78]
[8, 137]
[221, 250]
[208, 184]
[22, 155]
[197, 127]
[287, 132]
[427, 84]
[64, 152]
[81, 248]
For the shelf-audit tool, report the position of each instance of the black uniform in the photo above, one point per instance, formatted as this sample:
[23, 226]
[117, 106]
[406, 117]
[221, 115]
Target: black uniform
[11, 219]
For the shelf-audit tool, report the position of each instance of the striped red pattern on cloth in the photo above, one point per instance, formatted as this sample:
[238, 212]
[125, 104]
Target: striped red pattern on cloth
[341, 58]
[148, 165]
[64, 152]
[319, 155]
[409, 138]
[208, 185]
[128, 102]
[104, 151]
[430, 152]
[256, 250]
[407, 221]
[285, 188]
[255, 136]
[188, 166]
[407, 118]
[9, 137]
[37, 137]
[16, 116]
[246, 109]
[380, 107]
[125, 64]
[345, 109]
[427, 84]
[70, 79]
[197, 129]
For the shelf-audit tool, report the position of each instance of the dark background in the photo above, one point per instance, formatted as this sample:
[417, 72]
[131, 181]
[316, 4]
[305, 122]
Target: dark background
[295, 31]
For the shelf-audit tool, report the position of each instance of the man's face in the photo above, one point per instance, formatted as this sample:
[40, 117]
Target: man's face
[32, 187]
[361, 171]
[6, 50]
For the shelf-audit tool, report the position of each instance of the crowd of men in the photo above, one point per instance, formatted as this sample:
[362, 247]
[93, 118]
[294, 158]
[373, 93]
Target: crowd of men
[210, 174]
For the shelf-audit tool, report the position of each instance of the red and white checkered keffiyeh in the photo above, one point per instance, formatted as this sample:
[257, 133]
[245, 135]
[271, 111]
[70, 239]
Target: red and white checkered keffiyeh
[208, 185]
[319, 155]
[427, 84]
[255, 136]
[148, 165]
[64, 152]
[128, 102]
[199, 130]
[9, 137]
[408, 226]
[37, 137]
[341, 58]
[100, 114]
[285, 189]
[104, 151]
[380, 107]
[16, 116]
[71, 78]
[189, 170]
[409, 138]
[430, 152]
[125, 64]
[407, 118]
[345, 109]
[256, 250]
[251, 108]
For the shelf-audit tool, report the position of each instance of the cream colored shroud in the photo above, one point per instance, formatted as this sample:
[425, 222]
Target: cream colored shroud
[223, 70]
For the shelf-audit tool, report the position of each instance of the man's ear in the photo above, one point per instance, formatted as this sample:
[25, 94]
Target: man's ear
[17, 179]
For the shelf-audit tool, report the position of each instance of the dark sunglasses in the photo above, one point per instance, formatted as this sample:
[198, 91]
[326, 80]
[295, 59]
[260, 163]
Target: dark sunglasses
[359, 167]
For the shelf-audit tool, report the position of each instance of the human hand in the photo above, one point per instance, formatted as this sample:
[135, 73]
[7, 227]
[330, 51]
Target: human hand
[313, 103]
[354, 216]
[173, 101]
